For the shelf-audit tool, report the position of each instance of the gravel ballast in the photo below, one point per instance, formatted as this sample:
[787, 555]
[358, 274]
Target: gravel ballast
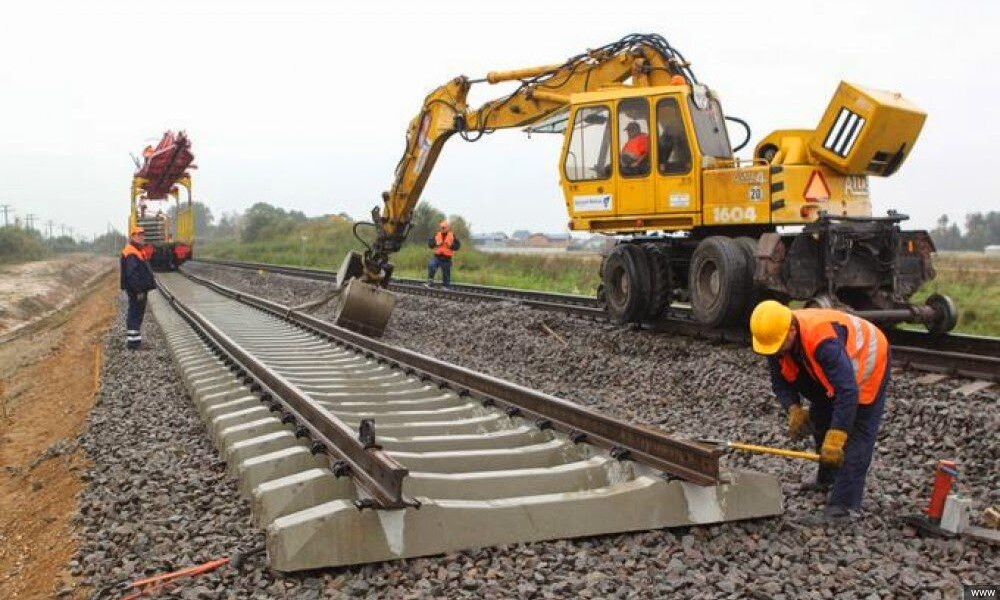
[149, 448]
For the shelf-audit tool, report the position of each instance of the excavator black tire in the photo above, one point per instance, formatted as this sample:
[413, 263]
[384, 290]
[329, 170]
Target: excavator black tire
[749, 246]
[625, 279]
[661, 279]
[718, 282]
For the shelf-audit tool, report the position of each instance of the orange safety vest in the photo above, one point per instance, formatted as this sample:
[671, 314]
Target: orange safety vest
[130, 250]
[442, 244]
[866, 347]
[637, 146]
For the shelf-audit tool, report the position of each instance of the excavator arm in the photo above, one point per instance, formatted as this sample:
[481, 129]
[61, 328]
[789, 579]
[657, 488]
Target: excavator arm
[645, 58]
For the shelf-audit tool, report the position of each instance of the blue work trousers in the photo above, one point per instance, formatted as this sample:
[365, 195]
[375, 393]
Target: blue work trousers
[133, 320]
[849, 480]
[445, 265]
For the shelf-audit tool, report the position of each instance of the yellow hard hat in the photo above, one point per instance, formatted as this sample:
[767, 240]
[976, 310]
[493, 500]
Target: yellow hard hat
[136, 230]
[769, 325]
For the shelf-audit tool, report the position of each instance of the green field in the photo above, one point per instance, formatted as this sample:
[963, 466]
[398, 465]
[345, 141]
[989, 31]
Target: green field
[328, 240]
[971, 279]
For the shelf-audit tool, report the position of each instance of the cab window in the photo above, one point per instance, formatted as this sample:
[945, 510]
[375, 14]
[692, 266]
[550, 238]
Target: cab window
[710, 127]
[589, 154]
[633, 137]
[673, 151]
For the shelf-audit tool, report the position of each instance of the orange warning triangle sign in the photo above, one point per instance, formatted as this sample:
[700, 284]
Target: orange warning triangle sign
[816, 189]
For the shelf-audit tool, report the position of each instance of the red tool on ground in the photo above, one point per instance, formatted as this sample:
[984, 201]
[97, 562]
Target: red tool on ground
[153, 585]
[944, 481]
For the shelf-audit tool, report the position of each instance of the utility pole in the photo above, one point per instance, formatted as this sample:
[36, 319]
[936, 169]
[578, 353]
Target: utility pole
[5, 208]
[50, 224]
[29, 221]
[63, 228]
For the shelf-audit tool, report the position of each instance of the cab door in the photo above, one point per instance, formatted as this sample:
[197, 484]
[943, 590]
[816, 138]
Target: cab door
[634, 158]
[587, 179]
[676, 184]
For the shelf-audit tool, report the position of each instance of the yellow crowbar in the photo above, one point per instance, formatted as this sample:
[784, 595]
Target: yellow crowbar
[762, 449]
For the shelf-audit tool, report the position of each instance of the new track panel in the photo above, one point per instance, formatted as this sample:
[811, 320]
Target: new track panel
[473, 470]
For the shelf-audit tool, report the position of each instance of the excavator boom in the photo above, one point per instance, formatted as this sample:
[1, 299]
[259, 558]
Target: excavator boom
[648, 59]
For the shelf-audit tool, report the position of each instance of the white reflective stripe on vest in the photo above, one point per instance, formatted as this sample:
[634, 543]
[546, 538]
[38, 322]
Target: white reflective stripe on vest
[861, 328]
[872, 351]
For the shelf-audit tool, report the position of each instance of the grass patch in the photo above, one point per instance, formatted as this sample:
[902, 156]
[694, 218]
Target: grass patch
[972, 280]
[328, 240]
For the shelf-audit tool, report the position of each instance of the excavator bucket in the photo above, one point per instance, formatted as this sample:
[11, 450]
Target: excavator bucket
[362, 307]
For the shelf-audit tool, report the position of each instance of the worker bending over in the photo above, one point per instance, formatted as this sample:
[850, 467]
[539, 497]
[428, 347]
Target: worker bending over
[840, 363]
[136, 280]
[444, 243]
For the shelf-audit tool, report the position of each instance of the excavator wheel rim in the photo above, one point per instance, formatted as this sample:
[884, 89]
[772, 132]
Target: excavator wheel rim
[718, 281]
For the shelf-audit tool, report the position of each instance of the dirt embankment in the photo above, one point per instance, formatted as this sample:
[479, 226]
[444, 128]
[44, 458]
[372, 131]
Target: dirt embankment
[32, 291]
[47, 386]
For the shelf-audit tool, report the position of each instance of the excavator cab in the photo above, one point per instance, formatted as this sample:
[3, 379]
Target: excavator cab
[632, 158]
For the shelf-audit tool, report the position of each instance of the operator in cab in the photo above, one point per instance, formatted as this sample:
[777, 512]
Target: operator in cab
[444, 244]
[136, 279]
[839, 363]
[635, 151]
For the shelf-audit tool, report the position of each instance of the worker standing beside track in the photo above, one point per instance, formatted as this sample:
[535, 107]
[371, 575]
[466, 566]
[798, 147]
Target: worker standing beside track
[840, 363]
[444, 243]
[136, 279]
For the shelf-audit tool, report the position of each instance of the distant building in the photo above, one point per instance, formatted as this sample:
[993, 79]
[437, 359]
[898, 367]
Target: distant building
[490, 240]
[993, 250]
[546, 240]
[597, 243]
[521, 234]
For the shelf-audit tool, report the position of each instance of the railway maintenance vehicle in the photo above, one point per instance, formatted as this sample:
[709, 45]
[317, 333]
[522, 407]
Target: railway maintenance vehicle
[695, 223]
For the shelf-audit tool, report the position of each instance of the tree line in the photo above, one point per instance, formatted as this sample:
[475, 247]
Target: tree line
[262, 222]
[18, 244]
[981, 230]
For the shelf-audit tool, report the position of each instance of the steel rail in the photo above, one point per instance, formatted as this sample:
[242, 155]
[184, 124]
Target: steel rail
[683, 459]
[962, 355]
[374, 470]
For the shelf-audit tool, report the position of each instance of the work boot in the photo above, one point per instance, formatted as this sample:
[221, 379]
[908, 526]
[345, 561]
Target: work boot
[832, 515]
[816, 486]
[838, 514]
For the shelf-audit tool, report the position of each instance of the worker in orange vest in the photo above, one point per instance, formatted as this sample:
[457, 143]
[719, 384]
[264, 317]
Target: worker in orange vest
[840, 363]
[136, 279]
[444, 243]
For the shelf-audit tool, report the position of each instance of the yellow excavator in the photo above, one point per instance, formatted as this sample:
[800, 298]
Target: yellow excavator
[646, 156]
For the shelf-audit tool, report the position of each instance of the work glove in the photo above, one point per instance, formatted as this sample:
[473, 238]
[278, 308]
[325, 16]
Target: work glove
[831, 454]
[798, 421]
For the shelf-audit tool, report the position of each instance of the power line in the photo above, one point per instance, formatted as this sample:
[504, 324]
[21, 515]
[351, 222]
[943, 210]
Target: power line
[5, 208]
[29, 221]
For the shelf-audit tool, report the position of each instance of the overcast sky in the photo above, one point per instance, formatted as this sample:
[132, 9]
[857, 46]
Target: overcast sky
[305, 104]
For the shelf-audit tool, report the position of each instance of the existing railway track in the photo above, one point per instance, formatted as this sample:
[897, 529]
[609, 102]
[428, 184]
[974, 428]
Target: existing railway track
[958, 355]
[354, 451]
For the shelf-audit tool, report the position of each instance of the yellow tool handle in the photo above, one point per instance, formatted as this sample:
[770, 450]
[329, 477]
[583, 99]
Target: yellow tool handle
[776, 451]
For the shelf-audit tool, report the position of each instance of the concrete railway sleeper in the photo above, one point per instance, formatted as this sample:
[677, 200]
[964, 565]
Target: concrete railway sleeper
[475, 469]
